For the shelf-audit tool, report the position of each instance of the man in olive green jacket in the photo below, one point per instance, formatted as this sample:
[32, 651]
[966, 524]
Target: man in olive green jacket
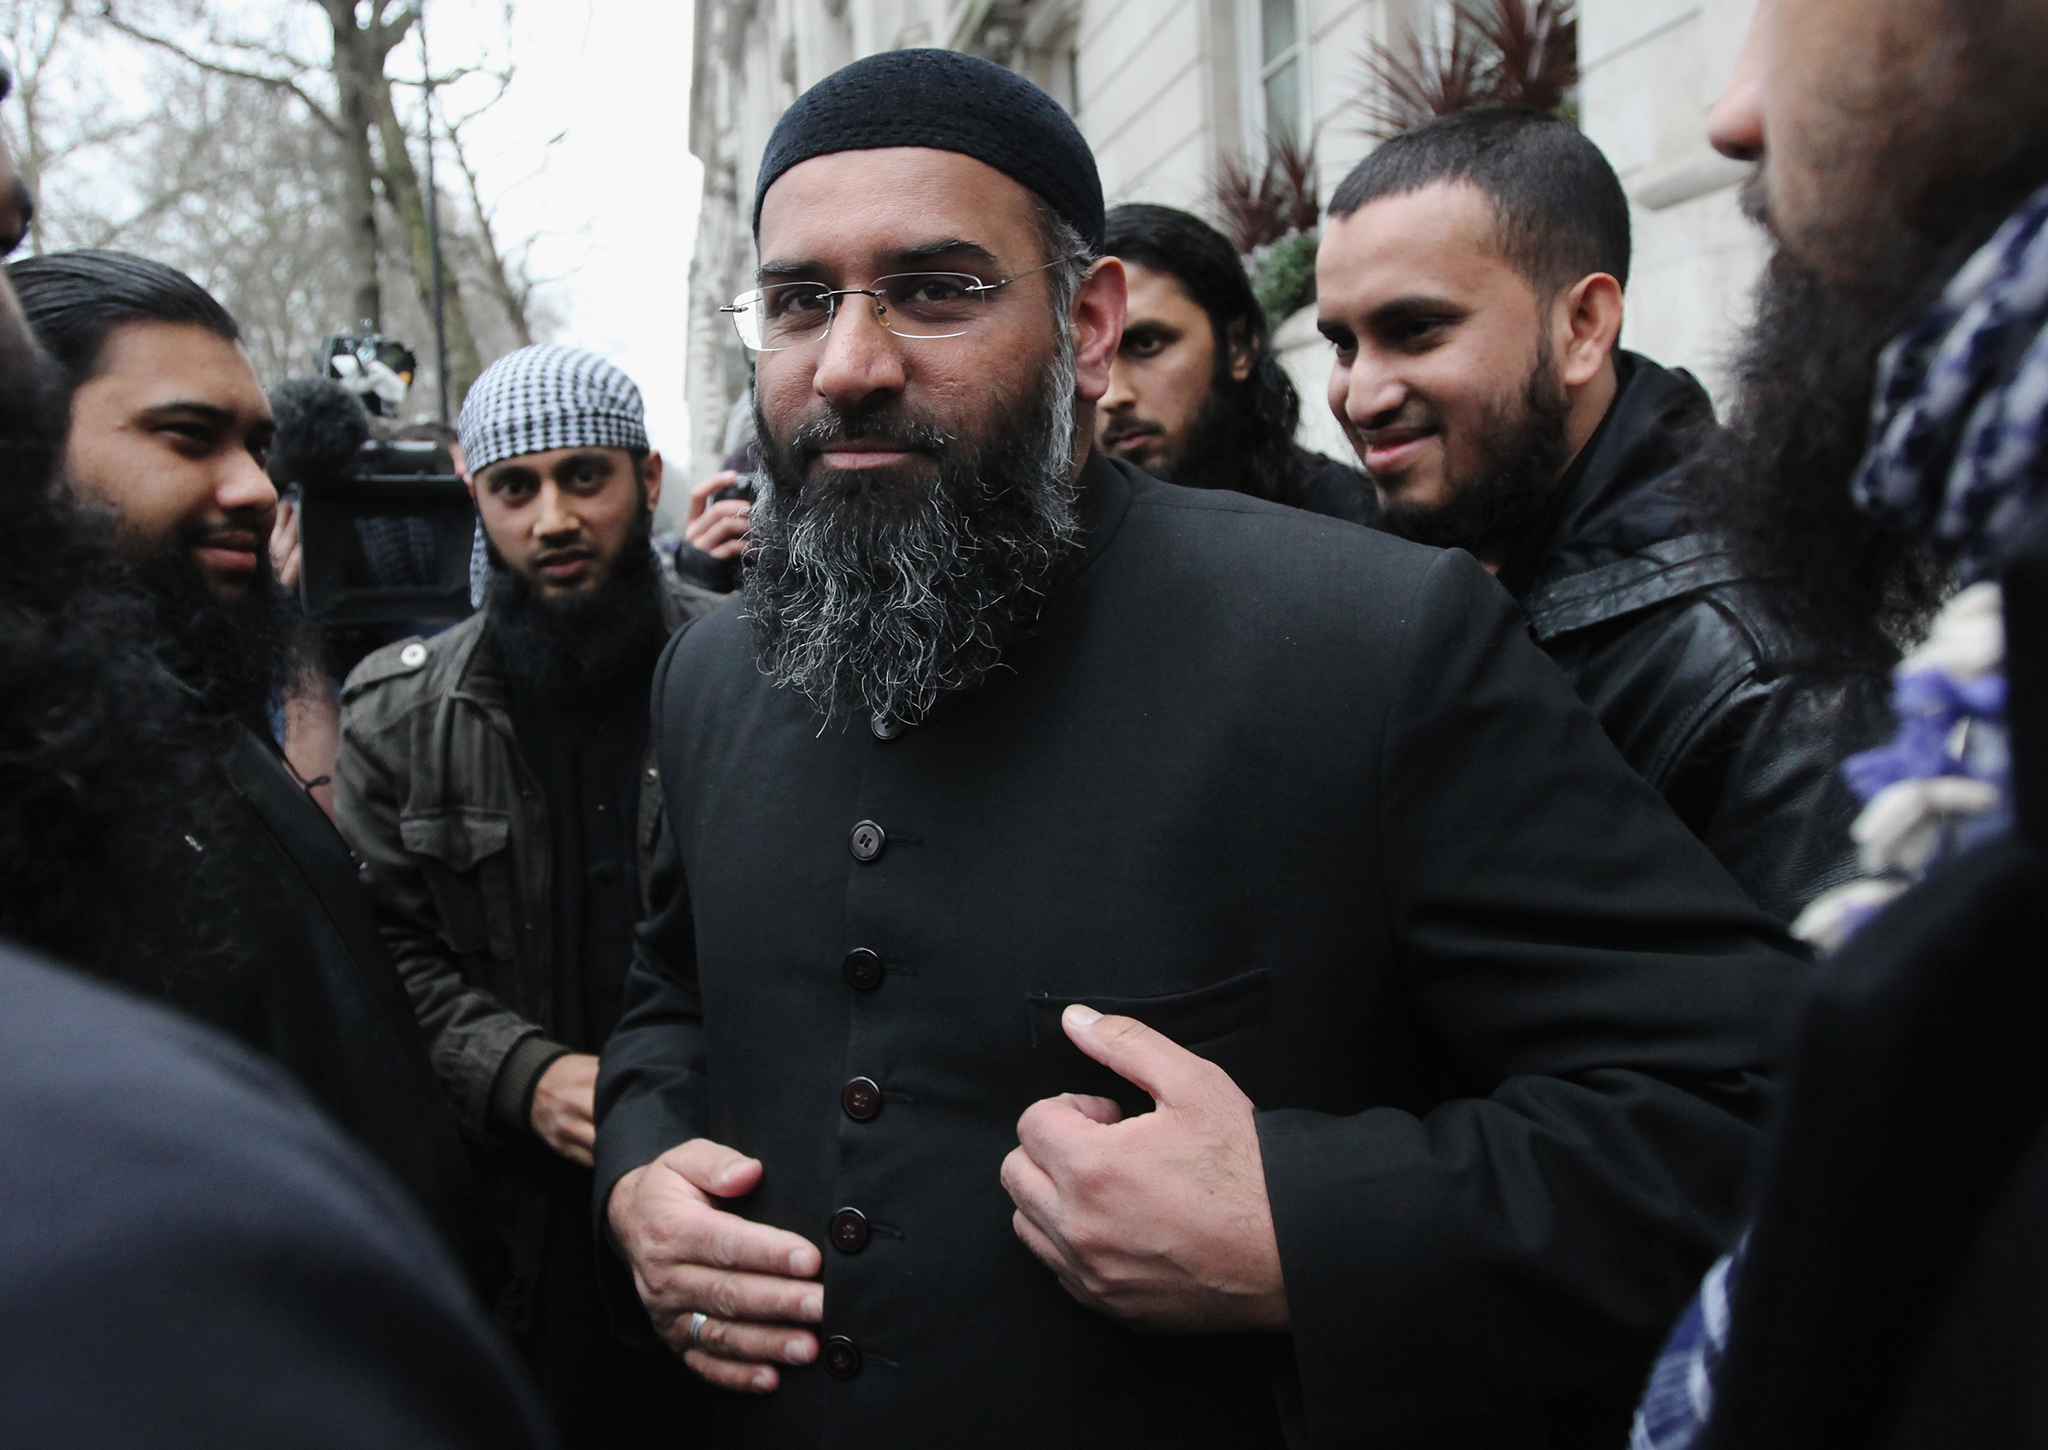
[498, 784]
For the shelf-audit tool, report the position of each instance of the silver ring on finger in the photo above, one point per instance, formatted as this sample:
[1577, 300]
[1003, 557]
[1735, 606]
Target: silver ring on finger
[697, 1322]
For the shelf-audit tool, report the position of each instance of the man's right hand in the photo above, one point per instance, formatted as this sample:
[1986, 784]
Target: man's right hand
[756, 1285]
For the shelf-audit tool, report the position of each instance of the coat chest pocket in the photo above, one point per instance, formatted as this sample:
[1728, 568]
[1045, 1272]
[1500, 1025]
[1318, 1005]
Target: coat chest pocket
[1222, 1022]
[464, 857]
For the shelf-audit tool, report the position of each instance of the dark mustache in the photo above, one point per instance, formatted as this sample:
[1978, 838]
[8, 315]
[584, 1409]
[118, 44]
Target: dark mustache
[1117, 432]
[887, 423]
[200, 534]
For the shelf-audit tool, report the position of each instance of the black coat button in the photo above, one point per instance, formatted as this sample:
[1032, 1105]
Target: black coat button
[863, 970]
[867, 841]
[849, 1230]
[862, 1099]
[886, 727]
[842, 1357]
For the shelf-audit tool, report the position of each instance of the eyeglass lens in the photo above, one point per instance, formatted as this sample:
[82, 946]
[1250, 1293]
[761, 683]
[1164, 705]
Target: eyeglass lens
[914, 304]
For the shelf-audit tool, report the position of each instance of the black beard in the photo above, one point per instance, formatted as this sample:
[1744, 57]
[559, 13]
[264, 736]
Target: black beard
[1521, 443]
[584, 654]
[230, 651]
[1929, 188]
[884, 589]
[105, 767]
[1243, 437]
[1847, 594]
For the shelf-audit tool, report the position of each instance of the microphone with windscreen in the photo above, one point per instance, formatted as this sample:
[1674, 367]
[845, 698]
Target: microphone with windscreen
[385, 525]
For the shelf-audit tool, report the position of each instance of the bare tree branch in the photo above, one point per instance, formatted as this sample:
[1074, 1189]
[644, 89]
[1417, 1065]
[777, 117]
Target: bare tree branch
[271, 82]
[514, 298]
[448, 78]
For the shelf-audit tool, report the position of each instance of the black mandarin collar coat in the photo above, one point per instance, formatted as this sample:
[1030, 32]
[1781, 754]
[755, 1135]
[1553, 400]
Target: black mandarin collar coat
[1306, 798]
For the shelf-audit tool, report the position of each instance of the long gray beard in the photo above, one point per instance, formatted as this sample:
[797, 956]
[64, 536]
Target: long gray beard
[880, 595]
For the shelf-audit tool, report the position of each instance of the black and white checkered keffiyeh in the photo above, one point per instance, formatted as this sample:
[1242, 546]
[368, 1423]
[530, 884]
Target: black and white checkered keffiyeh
[546, 397]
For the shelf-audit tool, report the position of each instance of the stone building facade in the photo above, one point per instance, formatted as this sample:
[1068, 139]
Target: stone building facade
[1165, 90]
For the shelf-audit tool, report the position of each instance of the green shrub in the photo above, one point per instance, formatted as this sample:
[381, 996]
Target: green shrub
[1284, 275]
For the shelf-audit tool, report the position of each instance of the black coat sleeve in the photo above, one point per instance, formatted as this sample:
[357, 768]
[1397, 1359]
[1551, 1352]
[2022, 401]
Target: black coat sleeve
[650, 1083]
[1610, 999]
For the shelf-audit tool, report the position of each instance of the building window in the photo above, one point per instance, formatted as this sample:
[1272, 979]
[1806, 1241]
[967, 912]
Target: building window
[1278, 106]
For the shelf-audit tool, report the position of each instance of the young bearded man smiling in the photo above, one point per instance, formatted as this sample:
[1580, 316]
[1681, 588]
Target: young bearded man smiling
[1126, 964]
[1470, 277]
[497, 782]
[167, 433]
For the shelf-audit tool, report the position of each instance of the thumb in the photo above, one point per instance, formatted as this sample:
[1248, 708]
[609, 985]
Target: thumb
[713, 1168]
[1168, 1072]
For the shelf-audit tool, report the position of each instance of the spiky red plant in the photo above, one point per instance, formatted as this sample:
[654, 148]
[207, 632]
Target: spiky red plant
[1536, 43]
[1520, 52]
[1262, 202]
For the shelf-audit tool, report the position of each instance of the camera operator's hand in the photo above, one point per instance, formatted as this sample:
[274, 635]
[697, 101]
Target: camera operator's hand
[285, 545]
[720, 528]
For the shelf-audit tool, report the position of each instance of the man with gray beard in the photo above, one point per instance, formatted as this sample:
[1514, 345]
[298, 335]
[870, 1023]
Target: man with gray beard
[1127, 964]
[864, 600]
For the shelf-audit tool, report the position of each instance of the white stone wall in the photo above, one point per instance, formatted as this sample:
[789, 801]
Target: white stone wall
[1652, 71]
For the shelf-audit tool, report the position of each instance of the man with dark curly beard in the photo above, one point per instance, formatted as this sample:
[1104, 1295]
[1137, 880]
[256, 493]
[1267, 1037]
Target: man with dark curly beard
[1892, 439]
[193, 1254]
[166, 439]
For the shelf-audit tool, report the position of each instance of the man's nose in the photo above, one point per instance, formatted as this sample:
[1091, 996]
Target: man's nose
[1364, 396]
[17, 207]
[1736, 124]
[17, 210]
[243, 486]
[858, 358]
[1120, 395]
[557, 514]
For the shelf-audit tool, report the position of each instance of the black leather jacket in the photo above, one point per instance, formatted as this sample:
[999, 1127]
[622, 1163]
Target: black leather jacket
[1670, 646]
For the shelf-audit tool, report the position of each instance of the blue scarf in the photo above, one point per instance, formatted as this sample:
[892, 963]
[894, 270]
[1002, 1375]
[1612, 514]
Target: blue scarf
[1961, 409]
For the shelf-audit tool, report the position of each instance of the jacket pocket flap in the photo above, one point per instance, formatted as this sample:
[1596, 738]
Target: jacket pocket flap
[1219, 1022]
[457, 839]
[1189, 1018]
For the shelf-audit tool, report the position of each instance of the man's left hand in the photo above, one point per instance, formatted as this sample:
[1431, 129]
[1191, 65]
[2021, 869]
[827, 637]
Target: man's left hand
[285, 550]
[1160, 1220]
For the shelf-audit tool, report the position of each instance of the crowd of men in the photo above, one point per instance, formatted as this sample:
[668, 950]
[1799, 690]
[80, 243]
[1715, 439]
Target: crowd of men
[1115, 930]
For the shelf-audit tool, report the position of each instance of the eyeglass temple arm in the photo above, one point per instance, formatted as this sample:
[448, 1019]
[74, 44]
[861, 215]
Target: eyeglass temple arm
[1042, 267]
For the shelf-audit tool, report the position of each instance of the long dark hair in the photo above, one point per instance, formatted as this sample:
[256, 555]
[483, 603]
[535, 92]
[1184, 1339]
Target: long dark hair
[1260, 413]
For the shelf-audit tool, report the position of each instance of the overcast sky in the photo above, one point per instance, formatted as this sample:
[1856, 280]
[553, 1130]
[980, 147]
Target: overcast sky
[615, 200]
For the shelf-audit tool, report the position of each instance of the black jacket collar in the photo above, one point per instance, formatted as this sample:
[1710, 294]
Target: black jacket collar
[1622, 535]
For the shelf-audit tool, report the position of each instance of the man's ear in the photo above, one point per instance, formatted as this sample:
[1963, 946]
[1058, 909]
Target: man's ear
[1587, 324]
[1098, 326]
[650, 477]
[1237, 339]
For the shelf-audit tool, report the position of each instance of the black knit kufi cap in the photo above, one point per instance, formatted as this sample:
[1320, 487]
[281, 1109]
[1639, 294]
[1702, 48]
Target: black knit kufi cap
[946, 101]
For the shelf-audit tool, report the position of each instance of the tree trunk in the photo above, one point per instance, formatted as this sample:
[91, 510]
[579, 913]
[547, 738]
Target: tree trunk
[358, 70]
[408, 199]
